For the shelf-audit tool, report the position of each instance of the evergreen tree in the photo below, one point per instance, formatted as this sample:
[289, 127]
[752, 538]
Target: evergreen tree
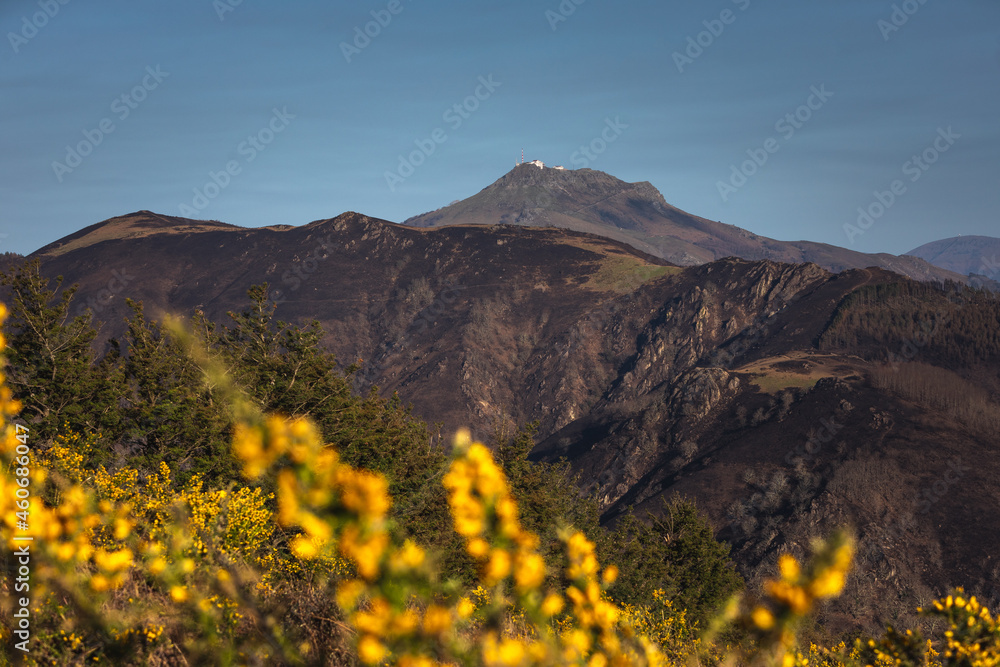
[51, 362]
[171, 415]
[677, 553]
[284, 368]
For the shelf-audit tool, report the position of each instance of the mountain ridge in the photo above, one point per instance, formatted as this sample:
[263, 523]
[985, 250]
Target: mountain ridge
[968, 255]
[637, 213]
[139, 223]
[583, 200]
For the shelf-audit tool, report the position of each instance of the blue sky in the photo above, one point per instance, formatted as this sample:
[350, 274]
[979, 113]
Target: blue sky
[309, 129]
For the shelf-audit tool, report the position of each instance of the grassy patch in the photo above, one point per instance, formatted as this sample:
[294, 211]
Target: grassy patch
[624, 274]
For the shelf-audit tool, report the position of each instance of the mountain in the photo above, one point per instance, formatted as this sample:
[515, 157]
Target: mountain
[786, 426]
[783, 398]
[384, 293]
[967, 255]
[637, 214]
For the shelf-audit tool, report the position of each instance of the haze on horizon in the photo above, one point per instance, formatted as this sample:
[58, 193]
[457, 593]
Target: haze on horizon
[273, 113]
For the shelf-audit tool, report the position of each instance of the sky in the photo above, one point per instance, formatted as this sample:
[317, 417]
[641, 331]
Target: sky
[869, 124]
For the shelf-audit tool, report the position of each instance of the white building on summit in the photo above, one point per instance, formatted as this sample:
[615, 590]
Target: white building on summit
[538, 163]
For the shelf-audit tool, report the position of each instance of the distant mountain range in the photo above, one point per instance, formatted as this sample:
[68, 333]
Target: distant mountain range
[637, 214]
[968, 255]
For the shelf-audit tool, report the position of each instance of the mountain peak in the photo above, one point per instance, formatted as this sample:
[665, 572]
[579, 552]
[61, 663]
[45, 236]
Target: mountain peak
[534, 194]
[537, 171]
[131, 225]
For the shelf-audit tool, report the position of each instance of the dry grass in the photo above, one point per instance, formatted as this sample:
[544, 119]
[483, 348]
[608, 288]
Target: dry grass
[800, 369]
[624, 274]
[133, 227]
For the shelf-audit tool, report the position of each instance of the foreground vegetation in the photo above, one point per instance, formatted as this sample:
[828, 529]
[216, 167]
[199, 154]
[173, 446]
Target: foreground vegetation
[305, 525]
